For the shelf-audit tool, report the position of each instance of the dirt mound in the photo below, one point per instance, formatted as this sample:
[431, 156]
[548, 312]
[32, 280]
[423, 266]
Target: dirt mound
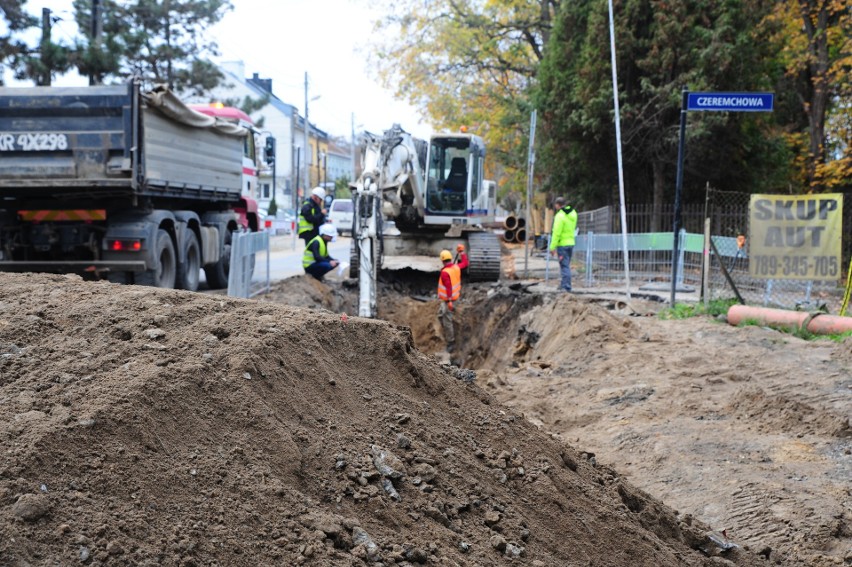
[306, 291]
[746, 428]
[152, 427]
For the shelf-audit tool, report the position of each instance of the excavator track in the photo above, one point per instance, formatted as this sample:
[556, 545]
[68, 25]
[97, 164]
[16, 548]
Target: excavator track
[484, 256]
[355, 258]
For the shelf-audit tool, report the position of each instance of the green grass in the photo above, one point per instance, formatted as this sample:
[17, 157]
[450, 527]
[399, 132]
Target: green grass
[687, 310]
[797, 331]
[721, 306]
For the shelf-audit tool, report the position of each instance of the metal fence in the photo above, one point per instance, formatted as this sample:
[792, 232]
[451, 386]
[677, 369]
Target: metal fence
[599, 255]
[249, 270]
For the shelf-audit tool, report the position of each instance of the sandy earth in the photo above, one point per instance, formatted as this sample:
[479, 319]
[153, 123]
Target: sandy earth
[745, 428]
[152, 427]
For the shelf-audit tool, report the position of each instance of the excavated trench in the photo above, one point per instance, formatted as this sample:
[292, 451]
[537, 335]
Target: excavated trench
[487, 313]
[498, 325]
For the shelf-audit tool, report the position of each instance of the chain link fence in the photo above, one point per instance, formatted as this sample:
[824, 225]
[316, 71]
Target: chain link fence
[599, 254]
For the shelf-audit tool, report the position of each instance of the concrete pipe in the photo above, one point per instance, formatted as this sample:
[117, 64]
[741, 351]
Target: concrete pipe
[522, 222]
[521, 235]
[511, 222]
[509, 236]
[819, 323]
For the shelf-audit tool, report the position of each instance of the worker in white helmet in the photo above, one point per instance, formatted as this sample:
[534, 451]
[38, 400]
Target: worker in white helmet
[315, 259]
[312, 215]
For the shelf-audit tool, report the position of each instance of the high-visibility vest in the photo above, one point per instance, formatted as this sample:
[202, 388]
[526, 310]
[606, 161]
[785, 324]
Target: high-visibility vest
[455, 282]
[564, 226]
[304, 224]
[308, 256]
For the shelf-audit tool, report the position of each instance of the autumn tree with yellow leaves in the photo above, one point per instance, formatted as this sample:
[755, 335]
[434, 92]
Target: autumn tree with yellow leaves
[814, 46]
[487, 63]
[471, 63]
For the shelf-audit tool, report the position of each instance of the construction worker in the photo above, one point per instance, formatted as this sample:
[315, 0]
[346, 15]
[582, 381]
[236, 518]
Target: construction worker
[312, 215]
[562, 239]
[315, 259]
[461, 259]
[449, 290]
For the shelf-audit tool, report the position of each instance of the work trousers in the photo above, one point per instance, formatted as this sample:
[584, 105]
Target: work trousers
[564, 254]
[445, 316]
[319, 269]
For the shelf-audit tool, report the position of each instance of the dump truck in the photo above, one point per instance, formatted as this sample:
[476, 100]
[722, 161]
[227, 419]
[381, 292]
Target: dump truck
[121, 183]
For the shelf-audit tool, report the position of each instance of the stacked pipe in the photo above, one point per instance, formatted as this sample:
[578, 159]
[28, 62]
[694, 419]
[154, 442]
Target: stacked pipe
[514, 229]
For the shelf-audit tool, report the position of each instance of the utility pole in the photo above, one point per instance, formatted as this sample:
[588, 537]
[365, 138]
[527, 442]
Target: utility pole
[307, 141]
[297, 169]
[97, 30]
[44, 79]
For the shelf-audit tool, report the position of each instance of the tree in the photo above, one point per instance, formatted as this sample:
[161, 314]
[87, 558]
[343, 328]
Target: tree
[663, 46]
[43, 63]
[16, 20]
[814, 42]
[161, 41]
[469, 62]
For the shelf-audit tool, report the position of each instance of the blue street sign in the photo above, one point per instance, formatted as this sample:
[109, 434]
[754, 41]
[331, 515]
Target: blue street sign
[731, 102]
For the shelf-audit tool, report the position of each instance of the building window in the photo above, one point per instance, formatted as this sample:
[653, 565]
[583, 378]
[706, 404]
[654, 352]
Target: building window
[265, 191]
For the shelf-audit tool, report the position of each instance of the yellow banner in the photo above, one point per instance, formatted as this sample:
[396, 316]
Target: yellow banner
[795, 237]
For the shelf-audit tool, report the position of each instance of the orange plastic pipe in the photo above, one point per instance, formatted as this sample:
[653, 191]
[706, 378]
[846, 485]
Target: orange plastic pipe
[821, 324]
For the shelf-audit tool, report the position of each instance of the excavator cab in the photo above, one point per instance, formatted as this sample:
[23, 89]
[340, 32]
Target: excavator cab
[453, 176]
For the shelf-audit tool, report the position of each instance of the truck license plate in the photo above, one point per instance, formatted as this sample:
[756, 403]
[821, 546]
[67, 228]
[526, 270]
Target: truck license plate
[33, 142]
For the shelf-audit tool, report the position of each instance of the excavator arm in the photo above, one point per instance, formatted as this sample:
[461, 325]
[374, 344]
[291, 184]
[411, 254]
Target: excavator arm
[391, 185]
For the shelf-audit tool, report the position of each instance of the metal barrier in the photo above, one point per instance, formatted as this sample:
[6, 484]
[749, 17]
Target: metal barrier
[599, 258]
[246, 249]
[599, 261]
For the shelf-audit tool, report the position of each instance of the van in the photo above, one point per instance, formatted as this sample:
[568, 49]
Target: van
[340, 214]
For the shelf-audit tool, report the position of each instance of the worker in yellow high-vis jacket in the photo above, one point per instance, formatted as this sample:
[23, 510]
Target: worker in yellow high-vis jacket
[562, 239]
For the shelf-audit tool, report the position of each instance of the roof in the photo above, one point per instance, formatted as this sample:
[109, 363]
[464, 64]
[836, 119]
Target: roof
[277, 103]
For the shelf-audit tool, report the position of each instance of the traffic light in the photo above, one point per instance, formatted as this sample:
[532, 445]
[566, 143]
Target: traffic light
[269, 151]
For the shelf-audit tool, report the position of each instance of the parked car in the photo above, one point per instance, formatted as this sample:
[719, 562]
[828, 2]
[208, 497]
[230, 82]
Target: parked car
[340, 214]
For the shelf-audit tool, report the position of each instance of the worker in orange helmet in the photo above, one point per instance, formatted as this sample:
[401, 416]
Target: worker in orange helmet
[461, 259]
[449, 290]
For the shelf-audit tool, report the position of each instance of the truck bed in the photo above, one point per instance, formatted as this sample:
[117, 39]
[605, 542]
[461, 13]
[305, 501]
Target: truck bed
[104, 142]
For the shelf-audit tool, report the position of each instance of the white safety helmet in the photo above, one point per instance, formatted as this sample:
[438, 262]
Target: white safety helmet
[318, 192]
[328, 229]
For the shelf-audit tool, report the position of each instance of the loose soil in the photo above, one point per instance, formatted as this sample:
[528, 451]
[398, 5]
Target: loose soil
[747, 428]
[153, 427]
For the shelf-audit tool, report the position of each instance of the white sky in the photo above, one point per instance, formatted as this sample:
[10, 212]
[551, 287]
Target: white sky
[283, 39]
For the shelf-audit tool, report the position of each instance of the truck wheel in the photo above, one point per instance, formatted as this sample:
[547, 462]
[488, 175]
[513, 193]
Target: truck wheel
[189, 271]
[217, 274]
[165, 273]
